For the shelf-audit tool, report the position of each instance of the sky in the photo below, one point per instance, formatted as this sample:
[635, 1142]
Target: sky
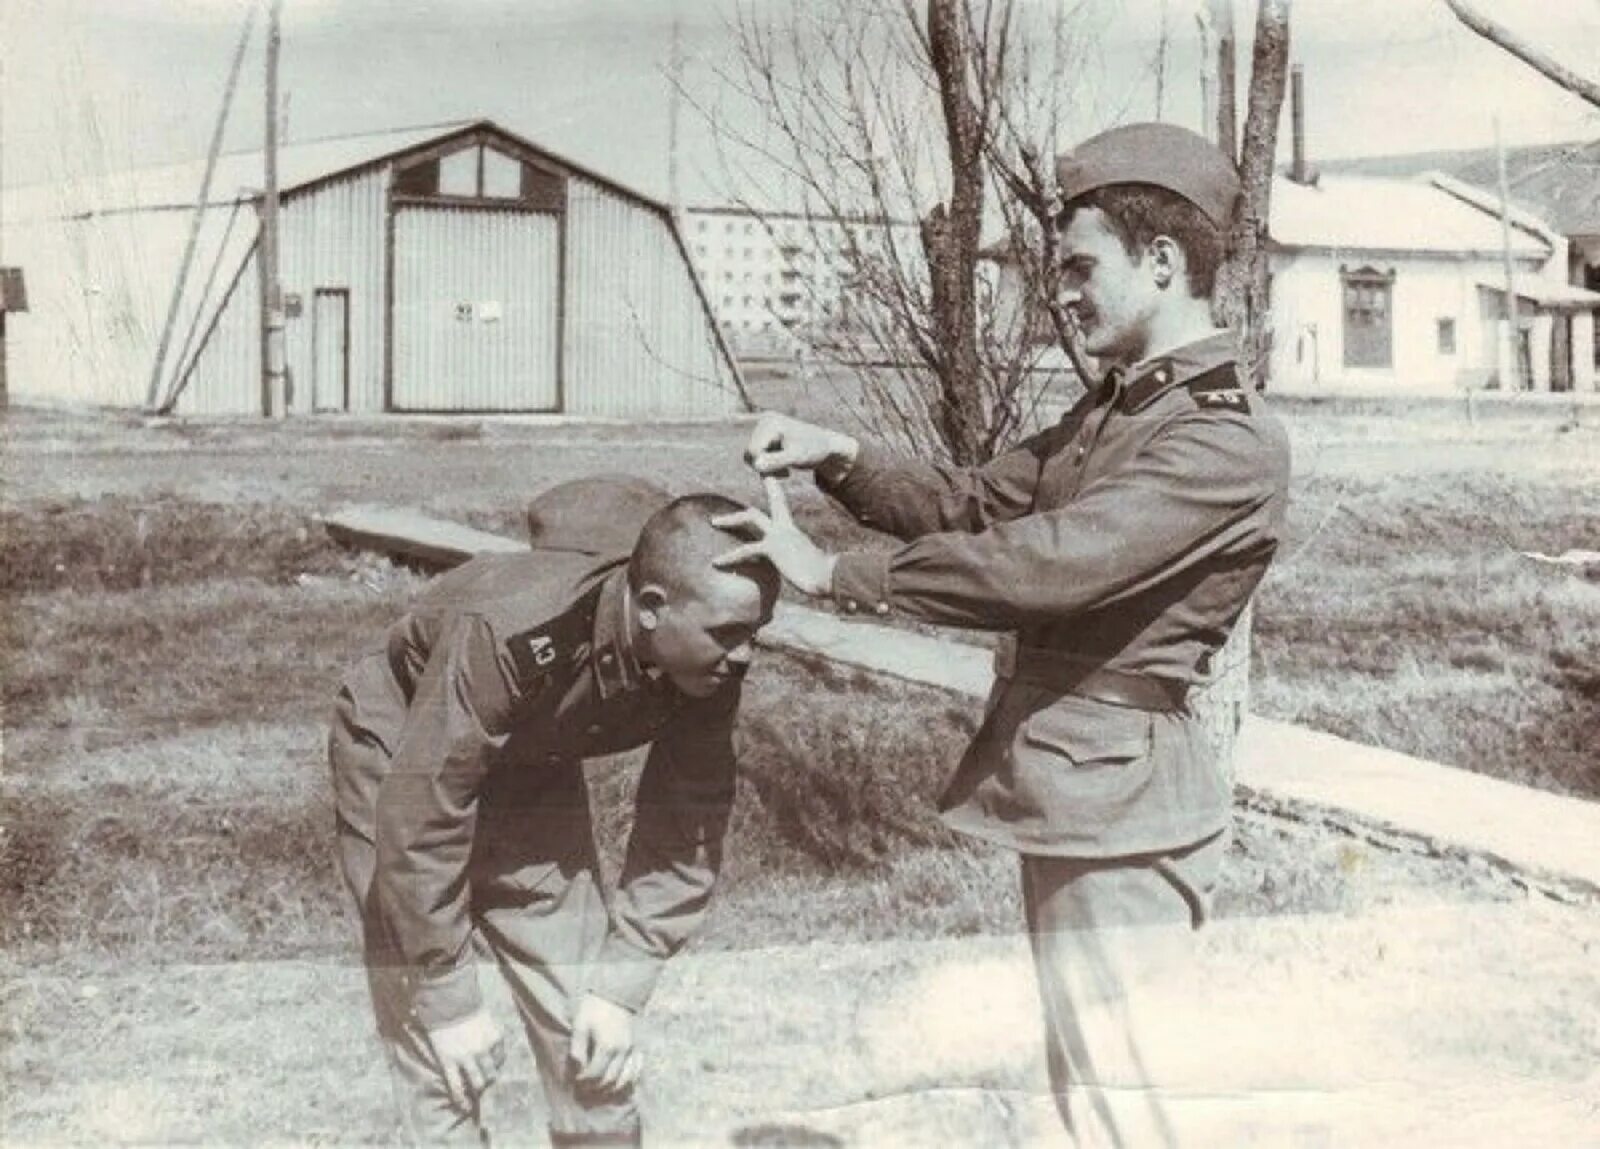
[588, 78]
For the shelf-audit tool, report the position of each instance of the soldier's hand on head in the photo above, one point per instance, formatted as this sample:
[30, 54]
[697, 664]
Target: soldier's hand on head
[807, 567]
[470, 1052]
[779, 442]
[602, 1052]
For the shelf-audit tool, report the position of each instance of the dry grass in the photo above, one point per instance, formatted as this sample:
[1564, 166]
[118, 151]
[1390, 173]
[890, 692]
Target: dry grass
[166, 795]
[165, 799]
[171, 643]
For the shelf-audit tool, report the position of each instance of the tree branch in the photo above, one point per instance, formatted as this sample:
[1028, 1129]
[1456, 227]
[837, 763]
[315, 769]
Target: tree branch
[1547, 66]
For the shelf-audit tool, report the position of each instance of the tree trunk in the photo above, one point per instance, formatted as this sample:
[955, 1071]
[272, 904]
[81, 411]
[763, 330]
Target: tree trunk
[1223, 699]
[1244, 295]
[950, 239]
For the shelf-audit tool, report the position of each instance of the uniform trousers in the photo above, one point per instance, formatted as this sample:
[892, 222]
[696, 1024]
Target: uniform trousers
[1114, 938]
[538, 912]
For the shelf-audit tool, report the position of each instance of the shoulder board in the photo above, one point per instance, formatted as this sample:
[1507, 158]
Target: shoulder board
[1218, 389]
[540, 653]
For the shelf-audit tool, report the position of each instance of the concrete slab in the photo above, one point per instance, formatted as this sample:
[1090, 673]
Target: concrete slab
[1530, 829]
[414, 536]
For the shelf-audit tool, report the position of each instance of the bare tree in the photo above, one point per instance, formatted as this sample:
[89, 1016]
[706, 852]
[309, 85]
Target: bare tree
[1530, 54]
[1243, 295]
[900, 127]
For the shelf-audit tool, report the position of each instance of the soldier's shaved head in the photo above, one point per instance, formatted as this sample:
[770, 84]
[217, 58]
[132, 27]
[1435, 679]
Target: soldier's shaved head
[678, 543]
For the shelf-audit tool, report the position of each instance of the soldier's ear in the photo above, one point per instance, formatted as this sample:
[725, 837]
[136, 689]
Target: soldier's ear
[1166, 261]
[651, 598]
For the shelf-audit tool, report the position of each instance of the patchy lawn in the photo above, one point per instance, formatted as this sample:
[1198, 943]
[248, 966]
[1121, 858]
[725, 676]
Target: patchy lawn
[175, 621]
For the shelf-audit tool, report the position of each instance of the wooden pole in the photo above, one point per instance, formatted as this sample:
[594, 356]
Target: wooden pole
[1227, 78]
[153, 390]
[1161, 65]
[1513, 341]
[5, 394]
[675, 80]
[272, 376]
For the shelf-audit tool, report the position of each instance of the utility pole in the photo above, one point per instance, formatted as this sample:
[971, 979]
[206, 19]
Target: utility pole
[1208, 70]
[273, 397]
[1227, 76]
[153, 391]
[1513, 337]
[5, 394]
[1161, 66]
[675, 79]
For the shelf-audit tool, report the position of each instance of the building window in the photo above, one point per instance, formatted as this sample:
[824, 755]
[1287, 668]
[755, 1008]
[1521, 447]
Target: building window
[458, 173]
[1368, 317]
[1447, 337]
[502, 176]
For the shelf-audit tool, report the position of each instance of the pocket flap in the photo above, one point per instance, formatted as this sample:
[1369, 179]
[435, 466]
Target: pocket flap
[1089, 732]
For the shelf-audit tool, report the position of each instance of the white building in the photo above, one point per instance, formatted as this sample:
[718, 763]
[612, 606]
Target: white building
[1397, 285]
[451, 268]
[772, 275]
[1381, 284]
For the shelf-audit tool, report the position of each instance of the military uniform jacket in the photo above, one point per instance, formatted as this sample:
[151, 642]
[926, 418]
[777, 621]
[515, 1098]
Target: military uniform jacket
[1128, 537]
[512, 664]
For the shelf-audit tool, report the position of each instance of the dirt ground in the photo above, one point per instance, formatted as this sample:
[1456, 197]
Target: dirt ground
[1424, 1024]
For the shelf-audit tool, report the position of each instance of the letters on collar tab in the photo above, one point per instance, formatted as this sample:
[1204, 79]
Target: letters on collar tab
[1218, 389]
[561, 644]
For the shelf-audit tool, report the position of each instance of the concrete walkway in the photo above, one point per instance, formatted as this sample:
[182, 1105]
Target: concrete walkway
[1530, 829]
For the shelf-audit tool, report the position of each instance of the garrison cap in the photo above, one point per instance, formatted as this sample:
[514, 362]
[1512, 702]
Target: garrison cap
[599, 515]
[1165, 155]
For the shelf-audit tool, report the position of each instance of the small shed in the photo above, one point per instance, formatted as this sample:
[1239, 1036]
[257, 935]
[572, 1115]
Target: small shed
[454, 268]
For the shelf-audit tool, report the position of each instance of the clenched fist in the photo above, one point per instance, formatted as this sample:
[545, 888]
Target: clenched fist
[780, 442]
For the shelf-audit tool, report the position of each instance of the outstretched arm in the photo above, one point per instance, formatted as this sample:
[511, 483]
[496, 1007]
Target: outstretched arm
[904, 497]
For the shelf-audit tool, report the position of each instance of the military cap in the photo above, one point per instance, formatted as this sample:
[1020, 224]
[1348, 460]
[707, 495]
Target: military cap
[1165, 155]
[599, 515]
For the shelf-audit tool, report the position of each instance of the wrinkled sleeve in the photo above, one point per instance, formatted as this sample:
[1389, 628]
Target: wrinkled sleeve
[674, 852]
[1201, 487]
[427, 813]
[912, 497]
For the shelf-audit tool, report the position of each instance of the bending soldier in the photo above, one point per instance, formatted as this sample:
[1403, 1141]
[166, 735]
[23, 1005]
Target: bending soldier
[463, 817]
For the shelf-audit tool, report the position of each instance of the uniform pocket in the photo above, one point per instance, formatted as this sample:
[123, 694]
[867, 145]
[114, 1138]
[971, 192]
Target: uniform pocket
[1088, 733]
[1083, 765]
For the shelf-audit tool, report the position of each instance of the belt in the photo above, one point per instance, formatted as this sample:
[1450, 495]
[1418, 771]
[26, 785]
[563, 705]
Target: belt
[1086, 678]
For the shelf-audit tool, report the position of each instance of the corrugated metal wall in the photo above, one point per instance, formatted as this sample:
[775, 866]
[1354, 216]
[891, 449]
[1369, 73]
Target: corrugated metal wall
[225, 378]
[639, 340]
[334, 237]
[476, 306]
[636, 338]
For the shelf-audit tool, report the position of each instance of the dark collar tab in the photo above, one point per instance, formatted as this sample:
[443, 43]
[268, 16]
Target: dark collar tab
[1154, 377]
[616, 663]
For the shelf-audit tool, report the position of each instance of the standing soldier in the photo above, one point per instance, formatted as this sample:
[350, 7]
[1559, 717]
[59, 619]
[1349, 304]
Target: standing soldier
[1117, 549]
[463, 817]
